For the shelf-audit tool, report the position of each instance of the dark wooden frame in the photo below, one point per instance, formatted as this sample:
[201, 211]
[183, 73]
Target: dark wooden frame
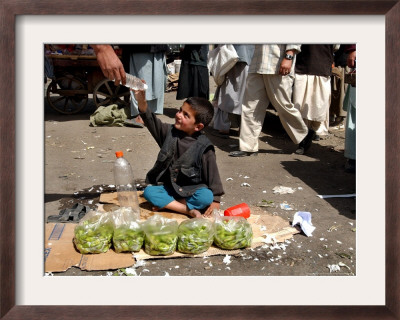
[9, 11]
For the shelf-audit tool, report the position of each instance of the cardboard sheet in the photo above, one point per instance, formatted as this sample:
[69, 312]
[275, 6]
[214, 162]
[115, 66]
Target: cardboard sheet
[60, 252]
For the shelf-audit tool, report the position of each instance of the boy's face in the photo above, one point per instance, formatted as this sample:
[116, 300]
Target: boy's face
[185, 120]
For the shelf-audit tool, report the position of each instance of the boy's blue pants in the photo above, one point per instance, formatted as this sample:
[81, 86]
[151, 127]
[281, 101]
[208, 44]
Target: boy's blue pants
[162, 195]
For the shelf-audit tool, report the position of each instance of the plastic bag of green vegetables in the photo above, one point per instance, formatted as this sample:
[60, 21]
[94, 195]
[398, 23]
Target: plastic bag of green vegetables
[128, 233]
[232, 232]
[161, 235]
[195, 235]
[94, 232]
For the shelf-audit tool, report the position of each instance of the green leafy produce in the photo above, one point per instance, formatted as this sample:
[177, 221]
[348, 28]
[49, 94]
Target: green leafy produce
[195, 235]
[233, 233]
[128, 232]
[160, 244]
[93, 236]
[160, 235]
[128, 238]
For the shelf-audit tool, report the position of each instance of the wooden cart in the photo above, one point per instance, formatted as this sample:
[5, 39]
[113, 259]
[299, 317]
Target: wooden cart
[75, 78]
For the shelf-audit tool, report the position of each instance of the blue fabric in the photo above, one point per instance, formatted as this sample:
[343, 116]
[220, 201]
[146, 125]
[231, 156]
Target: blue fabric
[160, 196]
[152, 68]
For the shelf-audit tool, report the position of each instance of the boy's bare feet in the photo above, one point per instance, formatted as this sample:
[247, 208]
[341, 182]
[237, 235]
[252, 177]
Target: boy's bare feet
[194, 213]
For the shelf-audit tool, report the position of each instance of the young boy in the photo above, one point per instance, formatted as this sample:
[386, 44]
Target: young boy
[185, 177]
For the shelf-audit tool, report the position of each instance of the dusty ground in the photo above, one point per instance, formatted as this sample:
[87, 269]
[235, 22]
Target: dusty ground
[73, 167]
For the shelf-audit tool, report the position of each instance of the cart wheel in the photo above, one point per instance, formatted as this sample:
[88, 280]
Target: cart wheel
[106, 93]
[67, 95]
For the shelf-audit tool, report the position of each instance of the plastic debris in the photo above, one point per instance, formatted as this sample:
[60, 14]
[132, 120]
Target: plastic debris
[246, 177]
[349, 195]
[130, 271]
[229, 179]
[285, 206]
[283, 190]
[333, 267]
[166, 274]
[245, 184]
[227, 259]
[338, 241]
[304, 219]
[341, 264]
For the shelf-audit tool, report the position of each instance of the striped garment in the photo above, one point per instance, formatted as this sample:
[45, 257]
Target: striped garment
[267, 57]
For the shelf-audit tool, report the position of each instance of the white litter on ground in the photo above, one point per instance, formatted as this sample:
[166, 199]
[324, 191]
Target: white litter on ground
[333, 268]
[166, 274]
[285, 206]
[227, 259]
[304, 219]
[245, 184]
[283, 190]
[229, 179]
[139, 263]
[131, 271]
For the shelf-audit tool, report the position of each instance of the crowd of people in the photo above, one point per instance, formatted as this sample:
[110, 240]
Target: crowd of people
[304, 83]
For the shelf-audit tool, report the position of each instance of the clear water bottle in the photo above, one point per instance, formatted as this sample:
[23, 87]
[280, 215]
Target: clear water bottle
[125, 183]
[135, 83]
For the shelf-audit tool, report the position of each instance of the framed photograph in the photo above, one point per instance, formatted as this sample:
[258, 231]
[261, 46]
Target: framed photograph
[20, 20]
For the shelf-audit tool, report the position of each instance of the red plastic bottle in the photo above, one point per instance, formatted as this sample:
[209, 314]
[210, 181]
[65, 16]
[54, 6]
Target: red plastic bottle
[241, 210]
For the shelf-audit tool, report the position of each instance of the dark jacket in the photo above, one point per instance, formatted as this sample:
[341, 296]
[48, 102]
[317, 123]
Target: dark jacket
[188, 159]
[184, 172]
[315, 59]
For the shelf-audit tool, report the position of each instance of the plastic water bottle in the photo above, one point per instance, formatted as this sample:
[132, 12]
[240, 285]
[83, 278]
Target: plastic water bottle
[125, 183]
[135, 83]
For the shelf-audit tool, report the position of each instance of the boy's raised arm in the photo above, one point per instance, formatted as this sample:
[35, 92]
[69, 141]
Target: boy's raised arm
[140, 96]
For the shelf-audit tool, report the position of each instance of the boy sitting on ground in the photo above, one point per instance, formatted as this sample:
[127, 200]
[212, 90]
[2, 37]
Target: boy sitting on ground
[185, 177]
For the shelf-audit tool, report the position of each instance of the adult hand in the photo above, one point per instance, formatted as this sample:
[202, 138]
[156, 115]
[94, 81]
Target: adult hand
[351, 59]
[209, 211]
[286, 65]
[110, 64]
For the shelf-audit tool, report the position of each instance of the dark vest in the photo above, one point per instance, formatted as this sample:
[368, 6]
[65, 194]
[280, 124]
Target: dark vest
[185, 172]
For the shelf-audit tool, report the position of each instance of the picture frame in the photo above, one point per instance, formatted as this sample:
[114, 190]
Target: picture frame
[10, 9]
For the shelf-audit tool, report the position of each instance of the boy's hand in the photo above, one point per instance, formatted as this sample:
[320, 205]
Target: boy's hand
[140, 96]
[209, 211]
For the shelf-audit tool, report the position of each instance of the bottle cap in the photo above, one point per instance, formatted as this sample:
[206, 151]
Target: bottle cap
[119, 154]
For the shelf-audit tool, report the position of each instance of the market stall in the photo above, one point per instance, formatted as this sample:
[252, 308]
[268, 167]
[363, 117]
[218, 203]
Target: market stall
[75, 74]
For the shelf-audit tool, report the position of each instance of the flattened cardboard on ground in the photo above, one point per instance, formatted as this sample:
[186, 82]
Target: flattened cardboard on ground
[60, 252]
